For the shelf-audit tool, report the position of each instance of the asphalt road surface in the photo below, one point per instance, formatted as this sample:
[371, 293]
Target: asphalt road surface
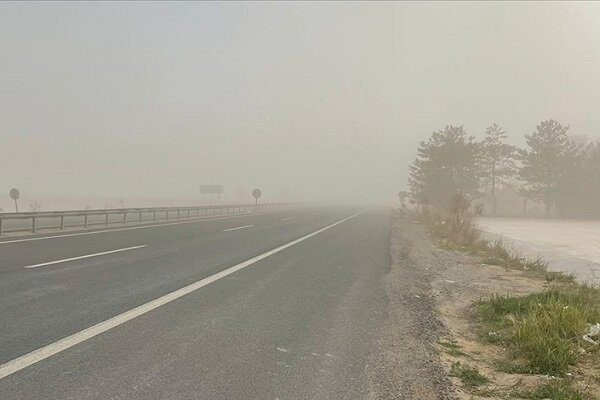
[285, 305]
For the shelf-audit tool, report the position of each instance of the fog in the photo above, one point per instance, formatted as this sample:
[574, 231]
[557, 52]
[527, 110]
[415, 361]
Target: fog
[307, 101]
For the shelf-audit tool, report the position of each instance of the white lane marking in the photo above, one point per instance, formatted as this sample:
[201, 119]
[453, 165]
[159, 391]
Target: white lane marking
[236, 228]
[42, 353]
[86, 256]
[157, 225]
[288, 218]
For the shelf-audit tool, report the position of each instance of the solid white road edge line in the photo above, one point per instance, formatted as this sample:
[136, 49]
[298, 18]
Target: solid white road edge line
[86, 256]
[239, 227]
[42, 353]
[288, 218]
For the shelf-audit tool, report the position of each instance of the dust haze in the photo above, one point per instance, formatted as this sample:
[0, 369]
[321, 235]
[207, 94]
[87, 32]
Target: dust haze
[308, 101]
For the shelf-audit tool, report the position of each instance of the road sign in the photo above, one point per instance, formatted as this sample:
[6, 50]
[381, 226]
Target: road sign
[211, 194]
[14, 194]
[211, 189]
[256, 193]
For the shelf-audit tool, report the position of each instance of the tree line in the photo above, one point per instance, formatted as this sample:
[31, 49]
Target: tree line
[552, 170]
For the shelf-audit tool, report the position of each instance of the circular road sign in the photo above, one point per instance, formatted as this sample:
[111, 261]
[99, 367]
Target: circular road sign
[14, 193]
[256, 193]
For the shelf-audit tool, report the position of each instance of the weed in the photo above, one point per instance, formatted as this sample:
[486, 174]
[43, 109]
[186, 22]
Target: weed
[556, 389]
[512, 367]
[536, 265]
[452, 348]
[559, 277]
[469, 376]
[543, 329]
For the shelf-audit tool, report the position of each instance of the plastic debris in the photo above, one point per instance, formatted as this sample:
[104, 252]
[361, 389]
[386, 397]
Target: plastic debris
[593, 336]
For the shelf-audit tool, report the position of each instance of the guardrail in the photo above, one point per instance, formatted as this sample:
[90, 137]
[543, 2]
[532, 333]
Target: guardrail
[45, 220]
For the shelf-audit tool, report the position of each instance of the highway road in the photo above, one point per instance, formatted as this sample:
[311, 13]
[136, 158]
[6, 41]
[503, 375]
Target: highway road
[284, 305]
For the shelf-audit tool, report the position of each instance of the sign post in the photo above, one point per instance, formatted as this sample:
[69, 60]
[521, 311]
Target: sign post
[14, 194]
[256, 193]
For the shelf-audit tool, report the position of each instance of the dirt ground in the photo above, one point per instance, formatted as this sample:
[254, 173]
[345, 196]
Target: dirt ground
[461, 284]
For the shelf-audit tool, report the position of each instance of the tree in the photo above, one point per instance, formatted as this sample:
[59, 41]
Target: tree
[35, 207]
[579, 189]
[446, 165]
[546, 162]
[497, 160]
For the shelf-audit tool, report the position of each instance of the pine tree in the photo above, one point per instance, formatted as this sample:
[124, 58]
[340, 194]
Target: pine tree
[446, 165]
[579, 189]
[497, 161]
[546, 162]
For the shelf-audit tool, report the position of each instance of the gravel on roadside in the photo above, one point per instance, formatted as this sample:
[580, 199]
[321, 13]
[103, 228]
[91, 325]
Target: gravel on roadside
[406, 363]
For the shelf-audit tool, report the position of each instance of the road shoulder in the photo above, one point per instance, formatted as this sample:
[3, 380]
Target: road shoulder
[407, 363]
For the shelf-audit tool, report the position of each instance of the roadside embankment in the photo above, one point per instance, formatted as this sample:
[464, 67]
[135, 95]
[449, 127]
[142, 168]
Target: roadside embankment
[513, 329]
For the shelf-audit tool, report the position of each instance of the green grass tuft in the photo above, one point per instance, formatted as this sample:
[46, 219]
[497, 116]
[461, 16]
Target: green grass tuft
[557, 389]
[542, 329]
[469, 376]
[452, 348]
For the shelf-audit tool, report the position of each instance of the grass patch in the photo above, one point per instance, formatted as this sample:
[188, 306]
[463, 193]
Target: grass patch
[469, 376]
[557, 389]
[452, 348]
[559, 277]
[511, 367]
[503, 255]
[498, 253]
[536, 265]
[542, 330]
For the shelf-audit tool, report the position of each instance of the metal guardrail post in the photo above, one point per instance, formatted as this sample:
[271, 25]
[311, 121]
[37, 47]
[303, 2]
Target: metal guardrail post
[62, 222]
[106, 219]
[33, 224]
[85, 220]
[154, 215]
[0, 226]
[178, 213]
[140, 217]
[124, 216]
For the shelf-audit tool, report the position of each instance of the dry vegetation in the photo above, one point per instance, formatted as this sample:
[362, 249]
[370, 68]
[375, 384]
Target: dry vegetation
[526, 344]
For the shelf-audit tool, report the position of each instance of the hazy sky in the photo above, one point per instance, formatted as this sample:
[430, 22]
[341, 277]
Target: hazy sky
[319, 99]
